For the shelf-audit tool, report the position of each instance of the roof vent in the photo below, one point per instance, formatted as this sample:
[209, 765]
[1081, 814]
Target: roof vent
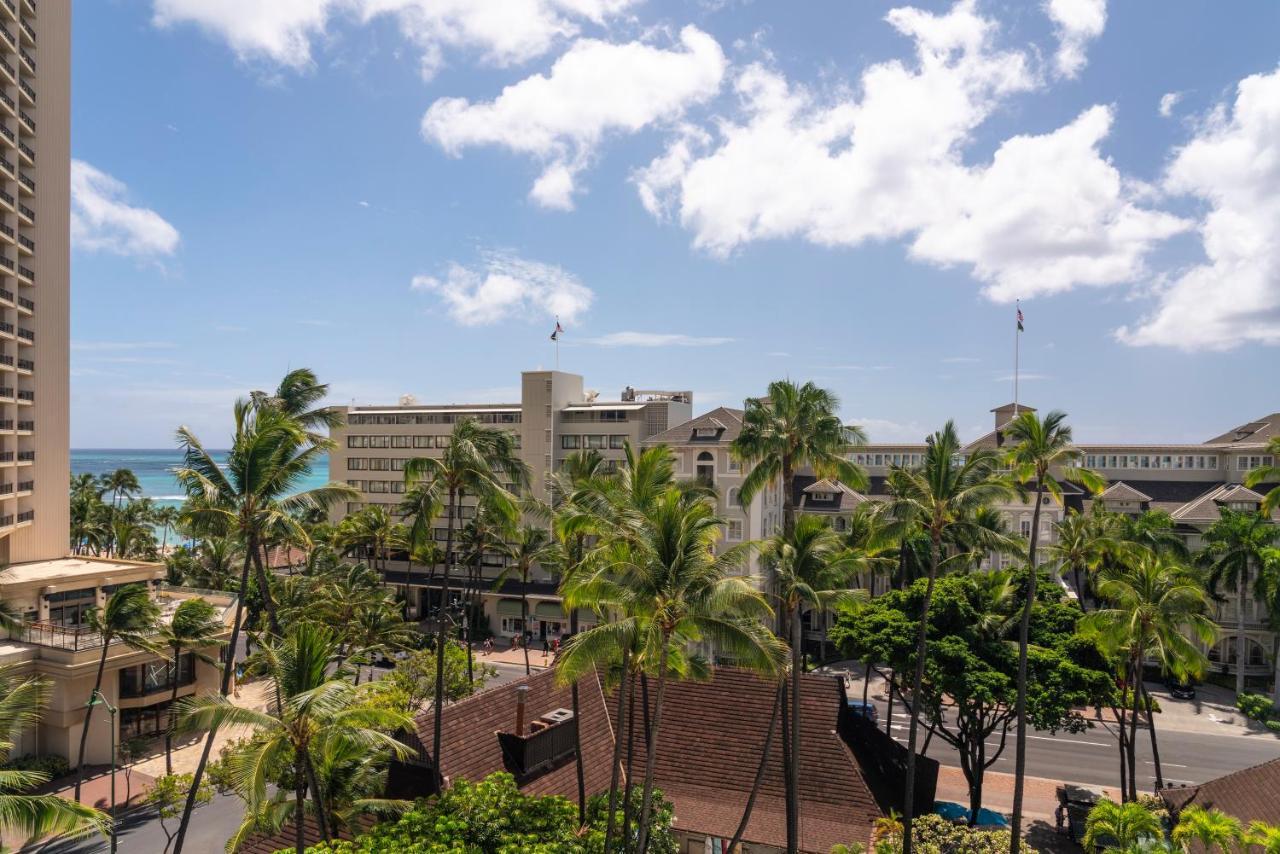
[558, 716]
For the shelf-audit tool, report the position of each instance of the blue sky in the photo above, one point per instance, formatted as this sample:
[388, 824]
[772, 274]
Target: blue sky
[402, 194]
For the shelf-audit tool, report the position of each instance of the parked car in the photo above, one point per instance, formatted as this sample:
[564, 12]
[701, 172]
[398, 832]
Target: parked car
[866, 710]
[1181, 690]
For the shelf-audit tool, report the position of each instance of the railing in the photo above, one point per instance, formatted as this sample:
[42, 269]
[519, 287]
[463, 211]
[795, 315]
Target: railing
[28, 59]
[6, 489]
[7, 263]
[27, 120]
[28, 304]
[7, 296]
[25, 149]
[27, 242]
[24, 210]
[6, 424]
[27, 182]
[539, 750]
[6, 456]
[8, 167]
[6, 230]
[6, 391]
[26, 334]
[6, 521]
[13, 10]
[9, 69]
[26, 515]
[25, 486]
[26, 365]
[58, 637]
[5, 326]
[29, 30]
[27, 271]
[8, 36]
[26, 87]
[6, 359]
[28, 396]
[8, 199]
[7, 101]
[26, 425]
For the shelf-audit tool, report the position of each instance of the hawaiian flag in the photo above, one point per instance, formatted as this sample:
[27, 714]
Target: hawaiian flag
[1019, 320]
[555, 336]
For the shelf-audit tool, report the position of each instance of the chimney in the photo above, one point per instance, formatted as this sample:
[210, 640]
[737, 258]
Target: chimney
[522, 691]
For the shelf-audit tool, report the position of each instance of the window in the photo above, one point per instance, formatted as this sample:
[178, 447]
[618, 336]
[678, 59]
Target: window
[401, 441]
[357, 441]
[705, 432]
[821, 496]
[68, 608]
[841, 524]
[570, 442]
[733, 498]
[613, 415]
[379, 441]
[1025, 527]
[617, 442]
[734, 465]
[705, 471]
[595, 443]
[512, 625]
[735, 530]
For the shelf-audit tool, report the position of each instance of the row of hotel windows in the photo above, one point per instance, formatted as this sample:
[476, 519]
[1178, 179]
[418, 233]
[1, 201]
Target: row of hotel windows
[571, 442]
[907, 460]
[436, 418]
[441, 441]
[595, 415]
[1150, 461]
[1247, 463]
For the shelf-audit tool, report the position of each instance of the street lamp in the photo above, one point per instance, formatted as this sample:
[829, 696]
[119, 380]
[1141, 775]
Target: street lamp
[94, 699]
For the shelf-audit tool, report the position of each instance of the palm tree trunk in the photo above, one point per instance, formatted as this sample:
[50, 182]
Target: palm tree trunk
[1020, 709]
[866, 682]
[442, 637]
[1080, 591]
[300, 796]
[1124, 750]
[1241, 648]
[922, 637]
[623, 689]
[631, 752]
[577, 731]
[88, 714]
[760, 769]
[264, 589]
[408, 581]
[173, 701]
[313, 782]
[1155, 748]
[793, 806]
[475, 585]
[526, 632]
[1133, 729]
[228, 667]
[651, 760]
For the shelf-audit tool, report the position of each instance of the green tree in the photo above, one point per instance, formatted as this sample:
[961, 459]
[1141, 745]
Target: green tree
[374, 530]
[167, 796]
[167, 518]
[478, 462]
[1119, 828]
[312, 707]
[941, 498]
[23, 699]
[1041, 454]
[532, 546]
[1081, 543]
[121, 483]
[1234, 548]
[300, 397]
[1155, 610]
[673, 589]
[419, 508]
[416, 677]
[131, 618]
[1211, 828]
[195, 627]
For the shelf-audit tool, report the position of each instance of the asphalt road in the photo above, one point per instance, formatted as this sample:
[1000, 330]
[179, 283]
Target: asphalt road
[1093, 756]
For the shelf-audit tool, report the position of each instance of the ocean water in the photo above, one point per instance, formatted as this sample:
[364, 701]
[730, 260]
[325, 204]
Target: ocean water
[155, 468]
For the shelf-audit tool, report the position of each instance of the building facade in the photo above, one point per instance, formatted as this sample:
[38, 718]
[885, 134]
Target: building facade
[555, 417]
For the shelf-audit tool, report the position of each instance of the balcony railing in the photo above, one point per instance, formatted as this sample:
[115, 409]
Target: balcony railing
[25, 486]
[58, 637]
[28, 89]
[26, 149]
[26, 515]
[26, 456]
[6, 424]
[28, 304]
[27, 120]
[27, 425]
[28, 59]
[6, 326]
[9, 69]
[28, 396]
[6, 520]
[7, 296]
[539, 750]
[24, 210]
[13, 10]
[7, 489]
[29, 30]
[6, 198]
[27, 242]
[6, 391]
[26, 334]
[7, 263]
[8, 36]
[7, 101]
[6, 230]
[8, 167]
[26, 182]
[6, 359]
[26, 365]
[6, 456]
[27, 272]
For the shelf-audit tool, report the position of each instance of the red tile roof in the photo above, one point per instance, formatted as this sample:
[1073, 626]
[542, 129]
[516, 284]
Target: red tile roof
[1252, 794]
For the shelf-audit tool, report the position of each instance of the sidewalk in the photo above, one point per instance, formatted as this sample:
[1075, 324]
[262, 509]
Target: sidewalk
[1039, 795]
[537, 660]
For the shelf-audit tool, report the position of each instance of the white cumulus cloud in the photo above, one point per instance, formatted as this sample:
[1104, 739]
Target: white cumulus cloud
[505, 286]
[284, 32]
[1168, 101]
[1047, 213]
[1232, 164]
[102, 220]
[1076, 23]
[595, 88]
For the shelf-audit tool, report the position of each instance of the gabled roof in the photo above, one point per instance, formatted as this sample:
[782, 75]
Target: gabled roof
[1121, 491]
[1010, 407]
[725, 421]
[1249, 794]
[1253, 432]
[828, 485]
[1208, 506]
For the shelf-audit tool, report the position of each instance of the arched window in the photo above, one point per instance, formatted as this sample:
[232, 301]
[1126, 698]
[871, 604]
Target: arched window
[841, 524]
[706, 468]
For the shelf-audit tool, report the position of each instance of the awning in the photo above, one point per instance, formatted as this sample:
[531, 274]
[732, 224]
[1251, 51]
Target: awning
[549, 611]
[508, 607]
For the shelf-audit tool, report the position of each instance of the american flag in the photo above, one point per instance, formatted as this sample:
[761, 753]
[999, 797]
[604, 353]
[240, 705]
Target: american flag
[555, 336]
[1019, 320]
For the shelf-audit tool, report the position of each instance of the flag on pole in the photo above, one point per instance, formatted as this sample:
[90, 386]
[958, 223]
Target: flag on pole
[1019, 318]
[555, 336]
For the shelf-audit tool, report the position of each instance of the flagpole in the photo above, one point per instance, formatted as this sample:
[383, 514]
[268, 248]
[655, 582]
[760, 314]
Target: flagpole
[1017, 342]
[556, 338]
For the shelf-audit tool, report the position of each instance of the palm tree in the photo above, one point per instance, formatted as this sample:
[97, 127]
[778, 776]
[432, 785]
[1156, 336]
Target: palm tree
[940, 498]
[420, 506]
[299, 396]
[1121, 827]
[22, 702]
[1211, 828]
[373, 529]
[195, 626]
[270, 456]
[1040, 448]
[1234, 547]
[477, 462]
[1081, 544]
[671, 589]
[131, 618]
[167, 518]
[532, 546]
[312, 705]
[812, 569]
[121, 483]
[1155, 610]
[379, 628]
[1268, 474]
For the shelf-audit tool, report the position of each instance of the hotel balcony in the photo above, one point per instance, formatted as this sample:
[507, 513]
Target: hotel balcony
[7, 394]
[26, 244]
[26, 335]
[26, 396]
[26, 184]
[7, 200]
[26, 306]
[28, 62]
[27, 122]
[27, 274]
[7, 38]
[28, 34]
[7, 234]
[25, 214]
[25, 427]
[25, 488]
[7, 70]
[28, 154]
[26, 366]
[29, 8]
[9, 106]
[9, 10]
[26, 93]
[7, 329]
[7, 168]
[7, 459]
[25, 457]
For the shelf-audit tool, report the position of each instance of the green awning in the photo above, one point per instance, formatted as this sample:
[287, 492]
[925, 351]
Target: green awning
[508, 607]
[549, 611]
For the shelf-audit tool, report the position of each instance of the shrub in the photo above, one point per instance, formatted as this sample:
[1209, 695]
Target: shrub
[1274, 726]
[51, 765]
[1256, 707]
[933, 833]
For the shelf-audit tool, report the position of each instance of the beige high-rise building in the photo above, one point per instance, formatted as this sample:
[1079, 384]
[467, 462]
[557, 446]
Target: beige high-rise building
[35, 265]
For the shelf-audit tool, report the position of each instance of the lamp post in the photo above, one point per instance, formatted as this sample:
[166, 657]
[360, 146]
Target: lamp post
[95, 699]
